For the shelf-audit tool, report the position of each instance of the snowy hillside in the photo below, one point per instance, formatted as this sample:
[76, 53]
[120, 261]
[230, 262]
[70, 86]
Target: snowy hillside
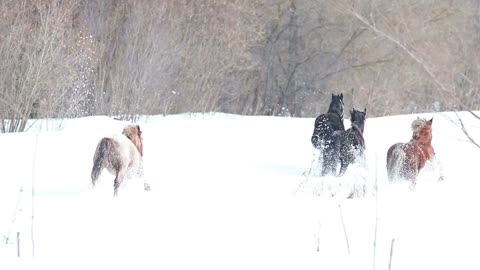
[229, 192]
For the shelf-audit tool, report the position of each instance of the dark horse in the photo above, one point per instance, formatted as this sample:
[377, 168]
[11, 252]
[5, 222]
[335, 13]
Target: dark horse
[352, 143]
[325, 136]
[405, 160]
[122, 155]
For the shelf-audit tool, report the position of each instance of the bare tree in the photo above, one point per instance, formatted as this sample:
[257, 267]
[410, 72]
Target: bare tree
[277, 57]
[35, 68]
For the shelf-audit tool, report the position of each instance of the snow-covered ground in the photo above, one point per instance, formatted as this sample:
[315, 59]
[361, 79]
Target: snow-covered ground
[229, 192]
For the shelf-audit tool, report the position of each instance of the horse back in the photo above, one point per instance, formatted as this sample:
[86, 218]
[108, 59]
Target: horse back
[414, 158]
[325, 126]
[354, 137]
[402, 147]
[125, 148]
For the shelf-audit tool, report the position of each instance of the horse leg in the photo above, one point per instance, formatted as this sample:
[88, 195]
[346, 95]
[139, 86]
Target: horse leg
[343, 166]
[146, 186]
[326, 163]
[337, 154]
[413, 177]
[140, 172]
[119, 176]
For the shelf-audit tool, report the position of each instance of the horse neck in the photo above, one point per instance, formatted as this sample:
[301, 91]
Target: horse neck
[424, 146]
[358, 128]
[359, 131]
[140, 149]
[138, 145]
[331, 109]
[422, 142]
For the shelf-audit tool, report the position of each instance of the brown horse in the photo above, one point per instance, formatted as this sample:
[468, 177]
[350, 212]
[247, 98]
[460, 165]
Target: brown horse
[122, 155]
[405, 160]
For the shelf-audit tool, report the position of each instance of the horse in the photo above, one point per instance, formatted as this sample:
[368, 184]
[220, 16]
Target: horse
[324, 138]
[405, 160]
[122, 155]
[352, 143]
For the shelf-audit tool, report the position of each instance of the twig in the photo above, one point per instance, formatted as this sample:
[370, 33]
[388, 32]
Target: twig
[464, 130]
[474, 115]
[318, 236]
[376, 213]
[391, 254]
[344, 229]
[15, 213]
[33, 195]
[18, 244]
[307, 175]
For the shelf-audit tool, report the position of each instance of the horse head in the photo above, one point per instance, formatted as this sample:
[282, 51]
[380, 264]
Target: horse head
[358, 118]
[134, 133]
[336, 105]
[422, 130]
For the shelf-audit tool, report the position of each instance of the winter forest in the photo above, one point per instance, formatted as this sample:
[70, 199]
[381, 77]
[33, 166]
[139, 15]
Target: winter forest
[74, 58]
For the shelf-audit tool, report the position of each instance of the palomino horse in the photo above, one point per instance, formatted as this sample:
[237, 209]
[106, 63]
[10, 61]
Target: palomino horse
[352, 143]
[324, 138]
[405, 160]
[122, 155]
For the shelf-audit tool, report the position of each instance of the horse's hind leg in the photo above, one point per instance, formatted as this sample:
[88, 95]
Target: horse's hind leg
[329, 166]
[119, 176]
[343, 167]
[326, 164]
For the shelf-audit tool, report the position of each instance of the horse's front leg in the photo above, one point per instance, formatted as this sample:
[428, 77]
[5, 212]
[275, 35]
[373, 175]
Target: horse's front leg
[438, 165]
[413, 177]
[141, 174]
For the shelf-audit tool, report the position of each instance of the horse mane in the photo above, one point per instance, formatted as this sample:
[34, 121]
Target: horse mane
[134, 133]
[335, 101]
[418, 125]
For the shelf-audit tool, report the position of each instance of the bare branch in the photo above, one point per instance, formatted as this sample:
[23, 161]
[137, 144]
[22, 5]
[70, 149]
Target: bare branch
[474, 115]
[464, 130]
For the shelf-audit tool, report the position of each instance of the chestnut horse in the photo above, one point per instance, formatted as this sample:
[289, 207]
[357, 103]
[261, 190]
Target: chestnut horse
[405, 160]
[122, 155]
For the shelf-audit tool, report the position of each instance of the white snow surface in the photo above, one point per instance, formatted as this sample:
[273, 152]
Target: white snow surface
[231, 192]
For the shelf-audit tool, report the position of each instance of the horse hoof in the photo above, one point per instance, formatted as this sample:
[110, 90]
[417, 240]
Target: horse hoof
[146, 187]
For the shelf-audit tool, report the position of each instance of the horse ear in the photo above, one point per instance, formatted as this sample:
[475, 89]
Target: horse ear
[333, 95]
[341, 95]
[365, 110]
[138, 130]
[430, 121]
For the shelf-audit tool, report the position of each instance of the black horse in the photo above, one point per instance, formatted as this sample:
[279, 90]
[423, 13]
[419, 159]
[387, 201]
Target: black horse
[352, 143]
[326, 132]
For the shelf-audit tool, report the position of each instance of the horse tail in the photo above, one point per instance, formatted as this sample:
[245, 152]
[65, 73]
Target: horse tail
[315, 139]
[395, 158]
[100, 157]
[316, 142]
